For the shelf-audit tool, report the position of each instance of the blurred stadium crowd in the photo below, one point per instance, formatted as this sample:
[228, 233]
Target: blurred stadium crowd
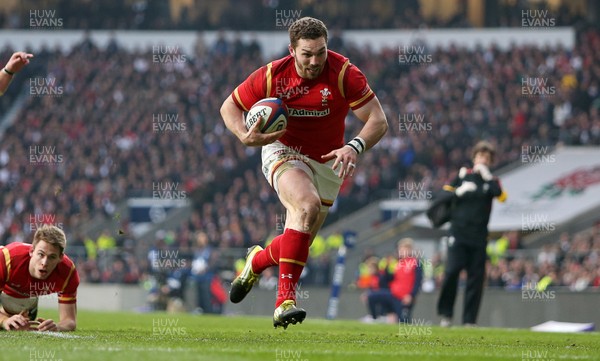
[572, 262]
[249, 15]
[102, 127]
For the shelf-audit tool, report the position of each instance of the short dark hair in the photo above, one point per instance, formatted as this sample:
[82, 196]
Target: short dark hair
[307, 28]
[484, 147]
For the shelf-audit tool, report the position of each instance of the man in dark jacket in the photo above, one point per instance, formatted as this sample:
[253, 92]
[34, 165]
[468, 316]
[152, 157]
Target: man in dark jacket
[474, 189]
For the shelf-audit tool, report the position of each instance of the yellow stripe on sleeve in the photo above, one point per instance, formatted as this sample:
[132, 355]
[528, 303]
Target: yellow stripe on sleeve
[236, 94]
[353, 104]
[341, 78]
[269, 79]
[68, 278]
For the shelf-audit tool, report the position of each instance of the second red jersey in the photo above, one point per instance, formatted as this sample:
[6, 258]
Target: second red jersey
[16, 281]
[318, 107]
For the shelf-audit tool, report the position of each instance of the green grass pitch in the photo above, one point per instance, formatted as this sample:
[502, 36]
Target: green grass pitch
[160, 336]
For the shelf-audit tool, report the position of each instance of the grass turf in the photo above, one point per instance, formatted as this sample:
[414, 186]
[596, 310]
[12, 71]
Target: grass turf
[160, 336]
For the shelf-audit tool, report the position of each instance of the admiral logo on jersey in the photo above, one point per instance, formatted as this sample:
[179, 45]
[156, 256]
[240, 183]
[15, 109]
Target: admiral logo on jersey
[308, 113]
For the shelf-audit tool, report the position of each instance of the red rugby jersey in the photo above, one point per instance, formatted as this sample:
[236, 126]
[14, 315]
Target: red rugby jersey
[318, 107]
[16, 281]
[404, 277]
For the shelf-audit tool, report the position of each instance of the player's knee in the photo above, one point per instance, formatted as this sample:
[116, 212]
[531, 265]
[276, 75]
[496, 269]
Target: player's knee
[309, 212]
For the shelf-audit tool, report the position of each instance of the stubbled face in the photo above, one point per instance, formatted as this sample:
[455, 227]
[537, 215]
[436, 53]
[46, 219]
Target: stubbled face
[484, 158]
[310, 56]
[44, 259]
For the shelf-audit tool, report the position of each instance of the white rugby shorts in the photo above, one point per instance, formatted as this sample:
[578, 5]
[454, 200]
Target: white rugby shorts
[12, 305]
[277, 158]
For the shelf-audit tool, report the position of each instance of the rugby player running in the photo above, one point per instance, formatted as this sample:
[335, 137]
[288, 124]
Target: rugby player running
[307, 162]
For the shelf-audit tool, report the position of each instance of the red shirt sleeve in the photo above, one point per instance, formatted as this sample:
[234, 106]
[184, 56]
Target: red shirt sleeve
[356, 88]
[68, 294]
[252, 89]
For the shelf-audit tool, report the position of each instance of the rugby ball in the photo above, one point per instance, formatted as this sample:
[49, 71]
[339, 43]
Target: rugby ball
[273, 114]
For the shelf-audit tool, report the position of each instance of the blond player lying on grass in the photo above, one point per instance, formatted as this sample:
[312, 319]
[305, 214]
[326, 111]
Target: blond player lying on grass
[28, 271]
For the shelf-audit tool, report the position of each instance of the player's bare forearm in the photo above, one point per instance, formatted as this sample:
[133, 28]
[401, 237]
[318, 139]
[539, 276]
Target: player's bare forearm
[233, 118]
[5, 79]
[376, 124]
[66, 325]
[67, 316]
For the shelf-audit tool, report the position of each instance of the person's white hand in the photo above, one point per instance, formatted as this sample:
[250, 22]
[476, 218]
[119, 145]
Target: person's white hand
[254, 138]
[17, 61]
[46, 325]
[345, 160]
[18, 322]
[464, 188]
[484, 171]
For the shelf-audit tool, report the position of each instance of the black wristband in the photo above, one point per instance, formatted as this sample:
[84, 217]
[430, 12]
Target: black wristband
[358, 144]
[9, 72]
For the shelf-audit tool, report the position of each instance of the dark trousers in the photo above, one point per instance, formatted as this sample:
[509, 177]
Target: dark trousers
[382, 302]
[204, 294]
[472, 258]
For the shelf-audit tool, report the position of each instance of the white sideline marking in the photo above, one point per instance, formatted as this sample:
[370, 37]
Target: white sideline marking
[59, 334]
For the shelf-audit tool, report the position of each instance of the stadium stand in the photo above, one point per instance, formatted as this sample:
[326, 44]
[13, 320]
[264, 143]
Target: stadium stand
[111, 152]
[236, 15]
[571, 262]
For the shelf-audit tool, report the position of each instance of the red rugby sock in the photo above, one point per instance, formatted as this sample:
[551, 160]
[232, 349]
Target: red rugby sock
[267, 257]
[292, 258]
